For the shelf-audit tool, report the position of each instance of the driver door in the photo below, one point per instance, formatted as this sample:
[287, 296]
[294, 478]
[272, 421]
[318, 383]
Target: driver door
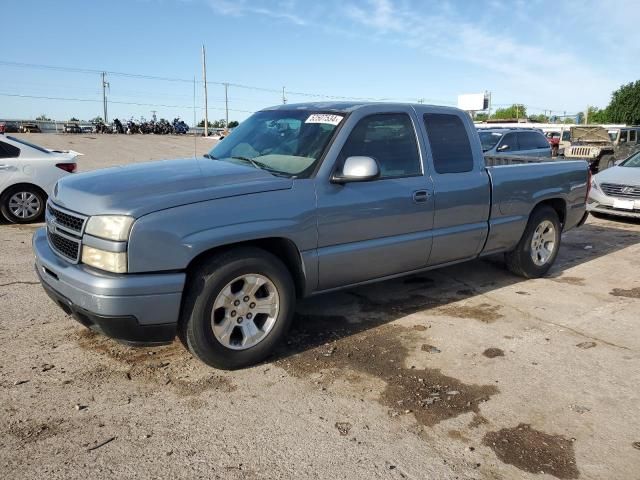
[373, 229]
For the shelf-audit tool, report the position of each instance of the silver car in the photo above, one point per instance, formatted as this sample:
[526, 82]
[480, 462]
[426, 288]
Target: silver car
[514, 141]
[616, 191]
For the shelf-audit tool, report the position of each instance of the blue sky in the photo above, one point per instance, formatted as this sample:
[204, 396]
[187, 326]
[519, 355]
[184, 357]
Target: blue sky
[558, 55]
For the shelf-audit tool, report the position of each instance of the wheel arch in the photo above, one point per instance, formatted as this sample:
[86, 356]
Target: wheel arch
[281, 247]
[13, 186]
[557, 204]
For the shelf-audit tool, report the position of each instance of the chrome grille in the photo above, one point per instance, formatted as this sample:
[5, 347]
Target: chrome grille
[65, 246]
[66, 220]
[622, 191]
[579, 152]
[64, 231]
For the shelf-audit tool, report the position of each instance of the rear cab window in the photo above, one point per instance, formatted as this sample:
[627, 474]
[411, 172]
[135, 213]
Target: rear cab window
[449, 142]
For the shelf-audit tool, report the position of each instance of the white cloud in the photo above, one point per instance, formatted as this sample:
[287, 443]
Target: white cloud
[284, 10]
[540, 52]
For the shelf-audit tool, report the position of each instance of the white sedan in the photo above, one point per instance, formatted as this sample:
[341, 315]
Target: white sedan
[28, 173]
[616, 190]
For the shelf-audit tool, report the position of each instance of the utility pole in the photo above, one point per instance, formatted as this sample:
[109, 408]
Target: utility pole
[586, 116]
[284, 98]
[153, 115]
[226, 107]
[421, 100]
[204, 81]
[105, 84]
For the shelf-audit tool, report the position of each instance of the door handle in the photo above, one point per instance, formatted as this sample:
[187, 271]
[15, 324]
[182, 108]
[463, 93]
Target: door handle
[420, 196]
[5, 167]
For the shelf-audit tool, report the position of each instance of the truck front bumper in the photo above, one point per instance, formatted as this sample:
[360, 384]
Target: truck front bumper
[137, 309]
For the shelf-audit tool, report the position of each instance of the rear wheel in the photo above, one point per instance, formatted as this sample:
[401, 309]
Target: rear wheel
[538, 248]
[23, 204]
[238, 307]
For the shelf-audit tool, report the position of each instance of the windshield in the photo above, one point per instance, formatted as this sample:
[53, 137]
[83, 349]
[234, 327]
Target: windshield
[282, 142]
[489, 140]
[632, 161]
[23, 142]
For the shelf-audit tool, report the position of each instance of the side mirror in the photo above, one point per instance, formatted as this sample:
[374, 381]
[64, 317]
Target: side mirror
[357, 169]
[502, 148]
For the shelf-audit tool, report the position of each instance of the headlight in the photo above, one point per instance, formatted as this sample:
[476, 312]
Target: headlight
[115, 262]
[594, 184]
[110, 227]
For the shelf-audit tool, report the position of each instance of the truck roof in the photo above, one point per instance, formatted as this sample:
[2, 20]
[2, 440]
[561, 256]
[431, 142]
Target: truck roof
[347, 107]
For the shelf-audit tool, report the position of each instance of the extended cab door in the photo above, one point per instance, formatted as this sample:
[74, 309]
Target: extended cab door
[462, 191]
[368, 230]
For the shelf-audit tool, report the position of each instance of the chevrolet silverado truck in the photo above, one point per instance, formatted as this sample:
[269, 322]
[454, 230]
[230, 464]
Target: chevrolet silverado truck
[297, 201]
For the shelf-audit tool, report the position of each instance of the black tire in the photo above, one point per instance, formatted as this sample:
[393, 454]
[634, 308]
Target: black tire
[195, 330]
[520, 260]
[607, 161]
[5, 200]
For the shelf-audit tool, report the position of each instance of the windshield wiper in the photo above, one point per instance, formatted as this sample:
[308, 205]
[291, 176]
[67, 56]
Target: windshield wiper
[261, 166]
[258, 165]
[206, 155]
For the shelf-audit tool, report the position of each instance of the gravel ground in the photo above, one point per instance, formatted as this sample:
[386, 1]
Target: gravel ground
[466, 372]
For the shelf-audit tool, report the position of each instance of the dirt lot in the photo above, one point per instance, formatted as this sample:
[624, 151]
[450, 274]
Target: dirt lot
[466, 372]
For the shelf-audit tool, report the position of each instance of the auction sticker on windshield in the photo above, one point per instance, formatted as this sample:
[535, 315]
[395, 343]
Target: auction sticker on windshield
[329, 118]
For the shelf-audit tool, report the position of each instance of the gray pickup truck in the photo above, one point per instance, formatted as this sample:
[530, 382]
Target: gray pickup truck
[297, 201]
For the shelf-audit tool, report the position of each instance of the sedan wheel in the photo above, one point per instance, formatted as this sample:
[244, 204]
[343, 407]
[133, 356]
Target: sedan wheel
[23, 204]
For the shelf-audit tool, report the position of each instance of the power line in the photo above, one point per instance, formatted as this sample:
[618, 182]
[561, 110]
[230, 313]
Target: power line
[209, 82]
[68, 99]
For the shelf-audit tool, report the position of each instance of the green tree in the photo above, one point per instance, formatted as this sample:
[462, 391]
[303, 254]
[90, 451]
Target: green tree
[43, 118]
[233, 124]
[539, 118]
[481, 117]
[625, 104]
[73, 119]
[97, 119]
[597, 115]
[515, 111]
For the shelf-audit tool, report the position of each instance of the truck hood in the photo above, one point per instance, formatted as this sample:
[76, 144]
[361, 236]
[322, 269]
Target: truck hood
[143, 188]
[620, 175]
[589, 135]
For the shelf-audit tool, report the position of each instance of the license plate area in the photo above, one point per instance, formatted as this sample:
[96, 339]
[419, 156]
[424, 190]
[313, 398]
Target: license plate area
[623, 204]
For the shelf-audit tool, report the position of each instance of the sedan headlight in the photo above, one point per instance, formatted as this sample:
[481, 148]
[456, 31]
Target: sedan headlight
[110, 227]
[115, 262]
[594, 184]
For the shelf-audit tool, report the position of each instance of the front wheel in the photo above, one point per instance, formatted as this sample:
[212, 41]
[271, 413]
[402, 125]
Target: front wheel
[608, 161]
[239, 305]
[538, 248]
[23, 204]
